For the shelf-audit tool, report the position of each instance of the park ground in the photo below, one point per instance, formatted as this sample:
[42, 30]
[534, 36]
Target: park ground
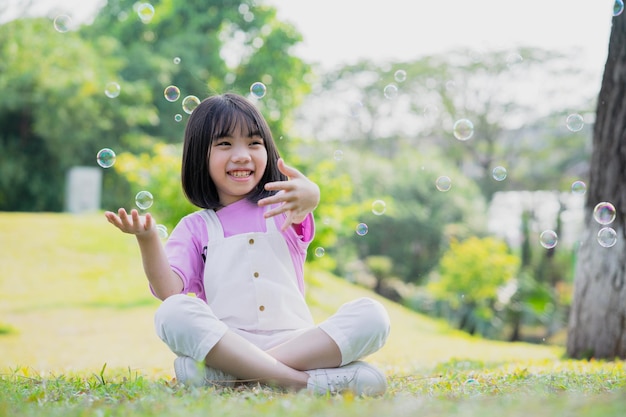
[77, 339]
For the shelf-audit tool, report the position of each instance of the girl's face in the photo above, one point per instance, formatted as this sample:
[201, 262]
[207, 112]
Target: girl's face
[236, 165]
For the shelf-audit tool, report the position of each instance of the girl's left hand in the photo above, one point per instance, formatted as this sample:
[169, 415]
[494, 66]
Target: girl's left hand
[299, 196]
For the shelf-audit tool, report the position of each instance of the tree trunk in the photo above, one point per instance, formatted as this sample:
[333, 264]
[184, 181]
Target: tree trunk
[597, 322]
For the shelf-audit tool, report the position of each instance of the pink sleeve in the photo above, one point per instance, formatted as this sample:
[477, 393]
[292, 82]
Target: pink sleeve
[185, 248]
[306, 229]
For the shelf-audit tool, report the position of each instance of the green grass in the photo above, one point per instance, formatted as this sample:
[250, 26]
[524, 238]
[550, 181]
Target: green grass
[82, 344]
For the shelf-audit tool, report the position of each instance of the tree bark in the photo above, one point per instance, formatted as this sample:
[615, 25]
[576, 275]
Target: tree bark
[597, 322]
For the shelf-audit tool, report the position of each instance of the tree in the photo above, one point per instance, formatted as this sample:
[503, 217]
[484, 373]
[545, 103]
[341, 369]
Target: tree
[516, 101]
[54, 113]
[597, 323]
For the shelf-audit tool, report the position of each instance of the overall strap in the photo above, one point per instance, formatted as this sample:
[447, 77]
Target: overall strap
[213, 225]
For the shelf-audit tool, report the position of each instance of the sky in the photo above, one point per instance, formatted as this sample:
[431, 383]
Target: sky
[338, 32]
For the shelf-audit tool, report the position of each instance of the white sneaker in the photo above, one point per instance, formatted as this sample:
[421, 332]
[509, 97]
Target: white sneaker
[357, 377]
[196, 374]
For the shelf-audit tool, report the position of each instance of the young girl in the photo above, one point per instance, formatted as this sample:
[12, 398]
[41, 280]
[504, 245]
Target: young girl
[243, 257]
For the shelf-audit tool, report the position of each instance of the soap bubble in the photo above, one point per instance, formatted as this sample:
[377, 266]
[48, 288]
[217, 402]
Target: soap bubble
[604, 213]
[112, 89]
[145, 11]
[390, 91]
[574, 122]
[400, 76]
[607, 237]
[162, 231]
[379, 207]
[443, 183]
[499, 173]
[319, 252]
[579, 187]
[106, 158]
[176, 60]
[62, 23]
[618, 7]
[190, 103]
[178, 117]
[548, 239]
[361, 229]
[258, 90]
[144, 200]
[338, 155]
[463, 129]
[171, 93]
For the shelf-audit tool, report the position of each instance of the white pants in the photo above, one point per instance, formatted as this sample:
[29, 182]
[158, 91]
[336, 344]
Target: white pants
[189, 327]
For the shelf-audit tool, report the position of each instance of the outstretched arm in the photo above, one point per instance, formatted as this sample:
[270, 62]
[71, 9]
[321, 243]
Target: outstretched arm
[163, 280]
[299, 196]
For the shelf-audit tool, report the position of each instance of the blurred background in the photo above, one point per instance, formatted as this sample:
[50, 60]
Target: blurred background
[450, 140]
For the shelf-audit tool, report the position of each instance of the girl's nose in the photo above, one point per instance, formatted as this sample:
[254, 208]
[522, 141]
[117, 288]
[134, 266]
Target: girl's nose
[241, 154]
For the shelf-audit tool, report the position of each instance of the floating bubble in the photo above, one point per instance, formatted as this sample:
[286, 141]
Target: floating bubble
[171, 93]
[162, 231]
[574, 122]
[319, 252]
[443, 183]
[258, 89]
[604, 213]
[400, 76]
[176, 60]
[548, 239]
[62, 23]
[379, 207]
[499, 173]
[607, 237]
[361, 229]
[178, 117]
[390, 91]
[106, 158]
[463, 129]
[579, 187]
[190, 103]
[112, 89]
[338, 155]
[618, 7]
[145, 11]
[144, 200]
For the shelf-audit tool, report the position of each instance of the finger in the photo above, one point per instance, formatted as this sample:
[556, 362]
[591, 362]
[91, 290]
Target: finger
[289, 171]
[288, 222]
[149, 222]
[279, 185]
[278, 210]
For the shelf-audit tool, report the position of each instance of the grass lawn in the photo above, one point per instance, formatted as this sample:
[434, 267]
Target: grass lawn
[77, 339]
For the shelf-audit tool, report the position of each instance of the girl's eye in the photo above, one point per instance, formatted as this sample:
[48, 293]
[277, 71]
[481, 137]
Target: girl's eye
[222, 143]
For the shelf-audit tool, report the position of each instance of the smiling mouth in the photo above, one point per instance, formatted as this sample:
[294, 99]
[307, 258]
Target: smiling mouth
[240, 174]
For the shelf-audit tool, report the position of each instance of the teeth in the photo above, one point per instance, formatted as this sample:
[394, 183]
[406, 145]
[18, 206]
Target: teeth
[241, 174]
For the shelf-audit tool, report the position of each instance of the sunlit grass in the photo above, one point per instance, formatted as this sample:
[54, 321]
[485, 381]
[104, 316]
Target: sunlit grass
[81, 342]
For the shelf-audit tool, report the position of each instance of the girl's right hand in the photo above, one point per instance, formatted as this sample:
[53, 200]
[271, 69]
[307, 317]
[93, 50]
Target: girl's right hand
[132, 223]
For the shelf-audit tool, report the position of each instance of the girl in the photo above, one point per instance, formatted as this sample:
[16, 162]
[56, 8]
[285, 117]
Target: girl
[243, 256]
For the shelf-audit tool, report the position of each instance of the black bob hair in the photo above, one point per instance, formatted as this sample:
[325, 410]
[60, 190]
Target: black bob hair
[216, 117]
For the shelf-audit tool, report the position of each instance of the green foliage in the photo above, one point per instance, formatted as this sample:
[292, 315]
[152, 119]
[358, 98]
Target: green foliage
[417, 218]
[54, 114]
[159, 173]
[471, 274]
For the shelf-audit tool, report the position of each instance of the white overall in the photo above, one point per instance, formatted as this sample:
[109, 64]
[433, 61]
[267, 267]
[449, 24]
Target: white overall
[251, 289]
[250, 281]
